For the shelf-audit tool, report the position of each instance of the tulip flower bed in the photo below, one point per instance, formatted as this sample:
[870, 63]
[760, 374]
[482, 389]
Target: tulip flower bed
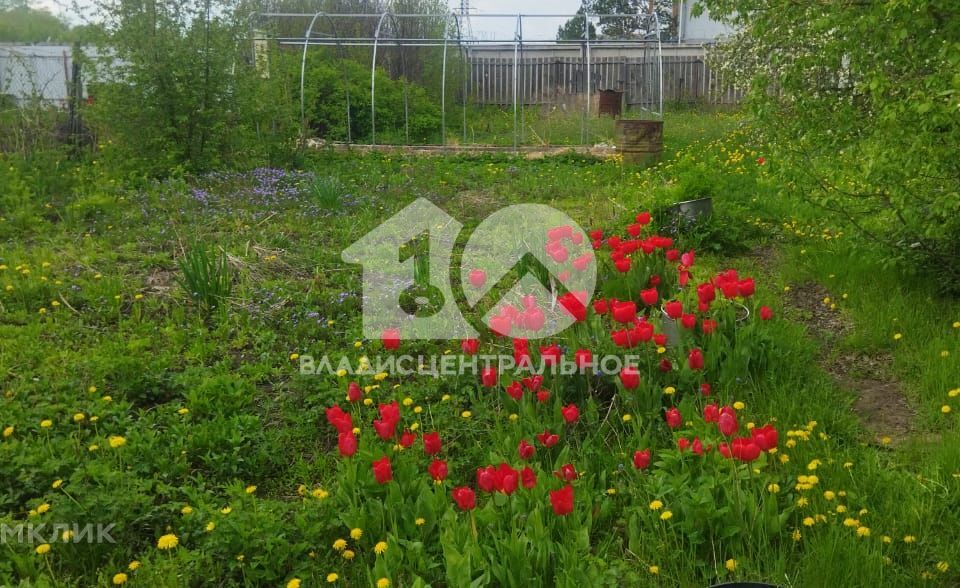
[700, 438]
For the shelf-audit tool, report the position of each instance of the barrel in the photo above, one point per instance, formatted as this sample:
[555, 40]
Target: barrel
[639, 141]
[609, 103]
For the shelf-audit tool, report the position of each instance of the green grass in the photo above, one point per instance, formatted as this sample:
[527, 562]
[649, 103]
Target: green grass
[210, 406]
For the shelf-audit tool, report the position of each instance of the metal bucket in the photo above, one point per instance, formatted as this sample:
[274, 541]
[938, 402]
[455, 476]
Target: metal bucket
[639, 141]
[610, 103]
[690, 211]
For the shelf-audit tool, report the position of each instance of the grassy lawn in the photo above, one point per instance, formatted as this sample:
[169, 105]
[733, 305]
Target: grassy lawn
[128, 402]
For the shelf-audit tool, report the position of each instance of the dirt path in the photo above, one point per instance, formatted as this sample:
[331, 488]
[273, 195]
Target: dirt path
[880, 401]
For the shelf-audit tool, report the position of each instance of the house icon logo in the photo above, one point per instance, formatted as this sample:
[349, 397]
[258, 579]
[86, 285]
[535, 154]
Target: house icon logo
[528, 270]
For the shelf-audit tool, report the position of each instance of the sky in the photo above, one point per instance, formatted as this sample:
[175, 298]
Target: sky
[483, 27]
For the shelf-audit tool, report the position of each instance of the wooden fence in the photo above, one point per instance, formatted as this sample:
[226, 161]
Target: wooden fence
[550, 80]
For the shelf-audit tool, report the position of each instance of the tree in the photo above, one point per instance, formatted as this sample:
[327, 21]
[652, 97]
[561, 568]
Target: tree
[640, 26]
[860, 101]
[21, 24]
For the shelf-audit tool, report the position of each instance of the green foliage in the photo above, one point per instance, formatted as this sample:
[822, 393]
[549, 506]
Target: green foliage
[327, 84]
[21, 24]
[860, 101]
[205, 276]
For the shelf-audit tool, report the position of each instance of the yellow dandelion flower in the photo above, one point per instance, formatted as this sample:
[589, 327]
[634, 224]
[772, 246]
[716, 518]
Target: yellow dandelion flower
[809, 522]
[8, 432]
[909, 539]
[829, 495]
[210, 527]
[627, 418]
[669, 390]
[656, 505]
[863, 531]
[43, 549]
[332, 577]
[43, 508]
[340, 544]
[46, 423]
[796, 535]
[942, 567]
[380, 548]
[356, 533]
[226, 510]
[294, 583]
[466, 414]
[897, 336]
[186, 510]
[666, 515]
[320, 494]
[79, 417]
[654, 570]
[250, 489]
[945, 409]
[134, 566]
[183, 411]
[851, 522]
[773, 488]
[731, 565]
[294, 356]
[348, 554]
[739, 405]
[383, 583]
[420, 521]
[56, 484]
[116, 441]
[119, 579]
[167, 542]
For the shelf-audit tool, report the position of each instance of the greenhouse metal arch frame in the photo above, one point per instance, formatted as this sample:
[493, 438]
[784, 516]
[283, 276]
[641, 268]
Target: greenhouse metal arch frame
[452, 33]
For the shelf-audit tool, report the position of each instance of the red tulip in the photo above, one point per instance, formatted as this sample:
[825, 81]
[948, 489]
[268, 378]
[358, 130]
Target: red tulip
[727, 424]
[683, 444]
[746, 287]
[583, 358]
[697, 446]
[501, 325]
[478, 278]
[347, 444]
[672, 255]
[623, 312]
[687, 258]
[528, 478]
[744, 449]
[660, 339]
[635, 229]
[567, 473]
[525, 449]
[630, 377]
[705, 389]
[543, 395]
[650, 296]
[766, 313]
[438, 470]
[548, 439]
[354, 392]
[622, 265]
[765, 437]
[761, 160]
[382, 470]
[600, 306]
[711, 413]
[695, 359]
[596, 234]
[665, 365]
[706, 293]
[688, 321]
[408, 438]
[674, 420]
[488, 376]
[390, 338]
[515, 391]
[470, 346]
[533, 383]
[507, 479]
[431, 443]
[654, 281]
[465, 498]
[340, 420]
[709, 326]
[487, 478]
[674, 309]
[521, 352]
[551, 354]
[641, 459]
[562, 500]
[570, 413]
[643, 218]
